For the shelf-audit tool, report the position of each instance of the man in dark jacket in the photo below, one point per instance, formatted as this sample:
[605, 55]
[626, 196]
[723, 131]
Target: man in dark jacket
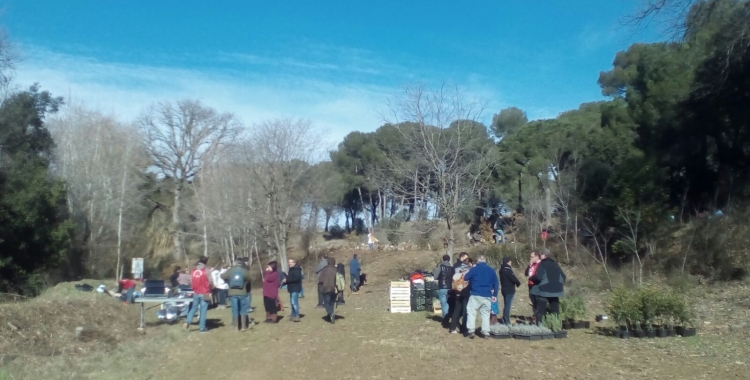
[549, 282]
[444, 276]
[354, 271]
[294, 286]
[508, 284]
[237, 278]
[318, 268]
[484, 290]
[327, 283]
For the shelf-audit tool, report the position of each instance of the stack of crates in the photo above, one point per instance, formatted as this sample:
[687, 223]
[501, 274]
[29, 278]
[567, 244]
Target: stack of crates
[422, 299]
[418, 299]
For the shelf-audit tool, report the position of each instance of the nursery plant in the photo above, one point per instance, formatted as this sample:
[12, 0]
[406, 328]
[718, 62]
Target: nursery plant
[552, 322]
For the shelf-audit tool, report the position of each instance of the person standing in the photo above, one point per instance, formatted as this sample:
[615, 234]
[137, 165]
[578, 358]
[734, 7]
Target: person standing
[271, 292]
[460, 289]
[354, 271]
[327, 282]
[484, 288]
[173, 278]
[444, 276]
[184, 279]
[201, 295]
[549, 283]
[508, 284]
[530, 271]
[222, 288]
[294, 286]
[371, 240]
[340, 291]
[236, 279]
[318, 268]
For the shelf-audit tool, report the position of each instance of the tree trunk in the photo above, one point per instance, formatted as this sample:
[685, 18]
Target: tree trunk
[520, 193]
[176, 222]
[119, 223]
[328, 219]
[451, 239]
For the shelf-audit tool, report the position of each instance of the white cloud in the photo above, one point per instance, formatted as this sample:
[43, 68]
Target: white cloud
[255, 88]
[126, 89]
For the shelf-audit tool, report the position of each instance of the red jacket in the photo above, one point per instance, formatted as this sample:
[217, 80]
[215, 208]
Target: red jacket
[200, 280]
[530, 272]
[127, 284]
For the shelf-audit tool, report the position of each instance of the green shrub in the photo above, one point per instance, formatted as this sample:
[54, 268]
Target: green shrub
[572, 308]
[552, 322]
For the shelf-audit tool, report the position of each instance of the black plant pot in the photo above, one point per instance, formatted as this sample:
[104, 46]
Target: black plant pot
[566, 325]
[500, 336]
[561, 334]
[637, 333]
[586, 324]
[661, 333]
[671, 332]
[623, 334]
[688, 332]
[578, 324]
[678, 330]
[651, 334]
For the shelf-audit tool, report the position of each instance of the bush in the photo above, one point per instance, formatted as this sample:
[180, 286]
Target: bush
[644, 307]
[552, 322]
[393, 231]
[336, 232]
[573, 308]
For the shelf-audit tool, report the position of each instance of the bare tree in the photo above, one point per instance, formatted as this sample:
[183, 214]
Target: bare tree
[180, 137]
[442, 129]
[280, 153]
[101, 161]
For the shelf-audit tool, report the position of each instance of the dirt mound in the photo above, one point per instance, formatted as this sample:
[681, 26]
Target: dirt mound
[47, 325]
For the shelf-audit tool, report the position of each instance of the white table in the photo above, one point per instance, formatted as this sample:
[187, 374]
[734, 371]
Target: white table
[160, 300]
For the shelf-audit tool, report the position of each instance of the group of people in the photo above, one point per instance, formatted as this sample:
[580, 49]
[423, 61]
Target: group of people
[465, 288]
[219, 285]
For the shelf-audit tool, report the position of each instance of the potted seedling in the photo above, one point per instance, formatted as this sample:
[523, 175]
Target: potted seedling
[553, 322]
[669, 302]
[617, 308]
[545, 332]
[648, 302]
[685, 319]
[500, 331]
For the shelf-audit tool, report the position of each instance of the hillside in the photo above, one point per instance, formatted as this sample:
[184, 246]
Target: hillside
[368, 342]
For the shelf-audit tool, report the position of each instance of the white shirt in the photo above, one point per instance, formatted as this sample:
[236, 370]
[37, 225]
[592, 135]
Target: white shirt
[219, 283]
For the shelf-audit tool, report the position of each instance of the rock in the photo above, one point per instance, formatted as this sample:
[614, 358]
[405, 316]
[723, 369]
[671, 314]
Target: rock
[79, 331]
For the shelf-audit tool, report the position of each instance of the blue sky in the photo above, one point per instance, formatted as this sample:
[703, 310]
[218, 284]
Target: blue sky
[334, 62]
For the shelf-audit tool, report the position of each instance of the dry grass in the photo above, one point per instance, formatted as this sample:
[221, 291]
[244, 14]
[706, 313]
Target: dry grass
[370, 343]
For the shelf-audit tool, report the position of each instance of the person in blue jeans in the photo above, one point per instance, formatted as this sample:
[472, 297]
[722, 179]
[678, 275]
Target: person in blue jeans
[201, 295]
[444, 276]
[237, 279]
[294, 286]
[508, 284]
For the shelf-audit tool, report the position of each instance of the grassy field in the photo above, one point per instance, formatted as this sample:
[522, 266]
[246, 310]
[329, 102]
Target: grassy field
[368, 342]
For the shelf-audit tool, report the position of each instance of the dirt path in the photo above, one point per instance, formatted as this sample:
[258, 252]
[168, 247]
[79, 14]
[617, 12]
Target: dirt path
[370, 343]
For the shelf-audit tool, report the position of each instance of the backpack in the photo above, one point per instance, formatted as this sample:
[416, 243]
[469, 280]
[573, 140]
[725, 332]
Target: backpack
[458, 282]
[237, 278]
[340, 282]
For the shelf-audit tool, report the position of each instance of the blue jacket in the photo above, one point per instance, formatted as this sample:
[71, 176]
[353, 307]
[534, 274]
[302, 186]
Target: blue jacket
[354, 268]
[483, 281]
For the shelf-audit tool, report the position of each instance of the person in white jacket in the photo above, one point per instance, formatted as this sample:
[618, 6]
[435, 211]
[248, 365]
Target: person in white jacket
[222, 288]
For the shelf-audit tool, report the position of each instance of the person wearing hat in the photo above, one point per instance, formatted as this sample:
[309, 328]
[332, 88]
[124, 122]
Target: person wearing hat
[508, 284]
[549, 285]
